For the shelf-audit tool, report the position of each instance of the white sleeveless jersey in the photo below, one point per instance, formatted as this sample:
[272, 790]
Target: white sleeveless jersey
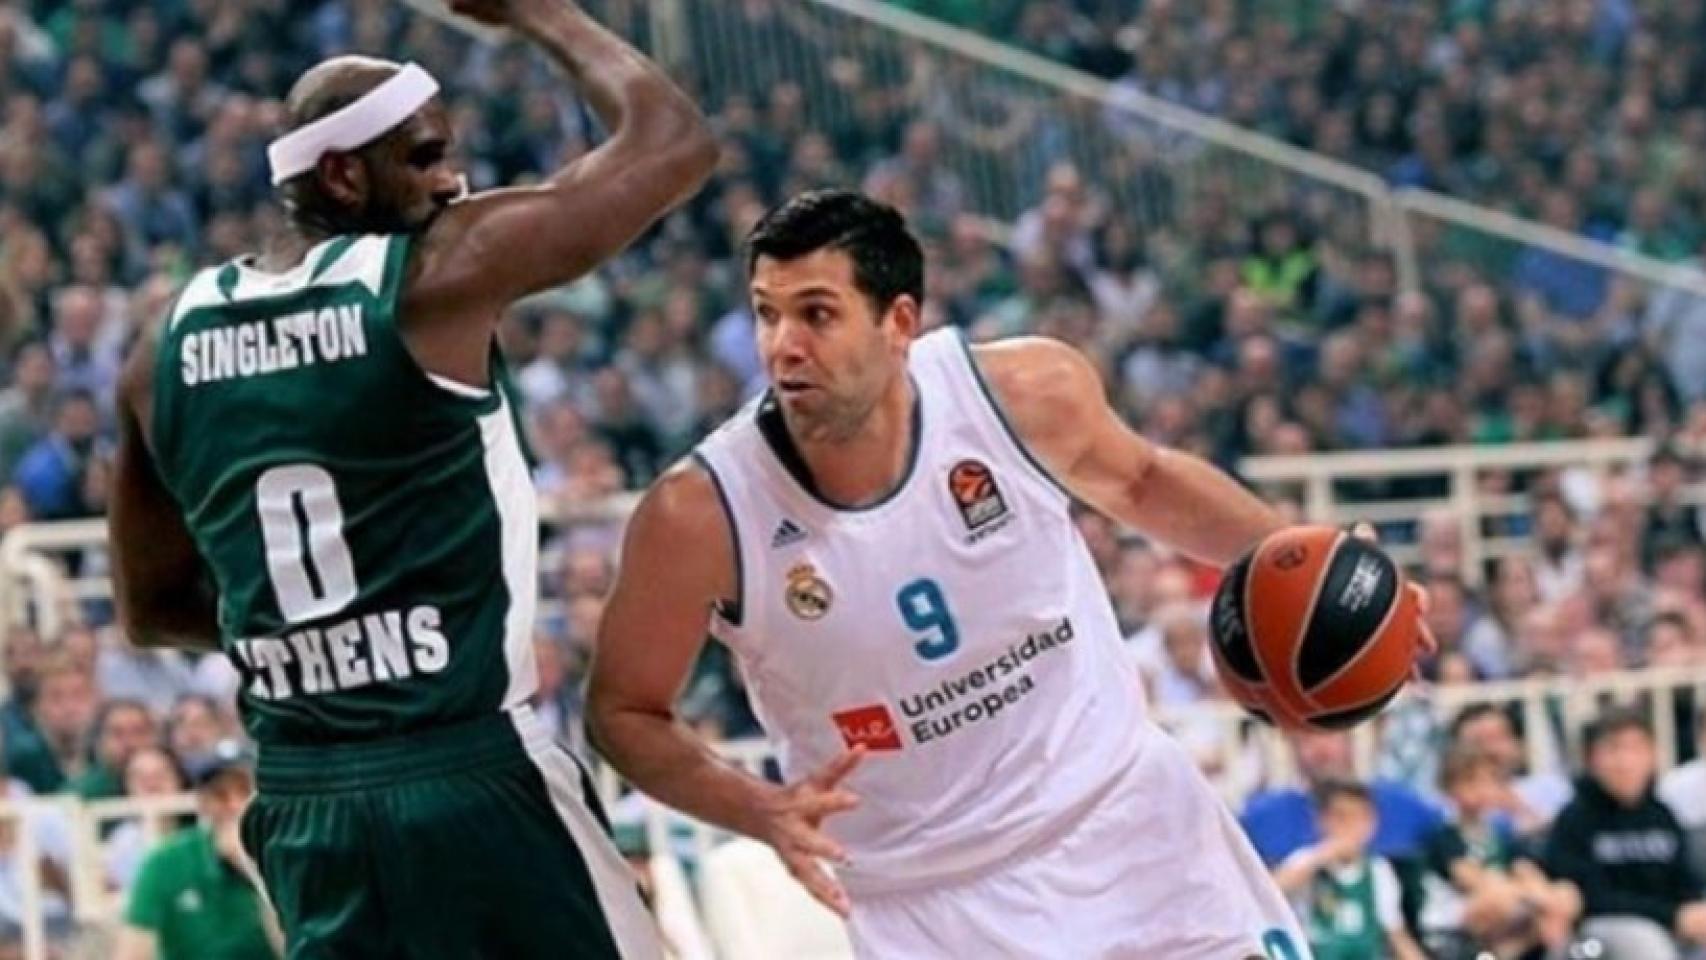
[958, 630]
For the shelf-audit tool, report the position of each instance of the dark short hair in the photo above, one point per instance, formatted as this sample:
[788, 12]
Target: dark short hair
[1552, 498]
[105, 713]
[1612, 721]
[1340, 789]
[70, 395]
[1461, 763]
[1474, 712]
[887, 260]
[1670, 618]
[1671, 453]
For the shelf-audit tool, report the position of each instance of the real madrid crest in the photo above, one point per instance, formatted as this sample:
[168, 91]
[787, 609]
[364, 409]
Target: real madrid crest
[807, 594]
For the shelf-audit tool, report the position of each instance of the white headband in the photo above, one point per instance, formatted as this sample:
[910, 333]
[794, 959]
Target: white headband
[356, 125]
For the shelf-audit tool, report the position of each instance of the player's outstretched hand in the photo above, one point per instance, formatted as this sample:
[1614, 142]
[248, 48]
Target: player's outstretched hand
[793, 821]
[1429, 643]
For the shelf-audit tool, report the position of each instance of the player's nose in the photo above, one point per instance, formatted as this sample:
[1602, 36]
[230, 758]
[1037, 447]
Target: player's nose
[789, 346]
[448, 184]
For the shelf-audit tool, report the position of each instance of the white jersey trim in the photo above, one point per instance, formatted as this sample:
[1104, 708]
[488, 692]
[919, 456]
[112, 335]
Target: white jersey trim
[518, 521]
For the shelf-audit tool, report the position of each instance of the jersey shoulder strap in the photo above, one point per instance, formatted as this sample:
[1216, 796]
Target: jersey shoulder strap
[372, 262]
[944, 361]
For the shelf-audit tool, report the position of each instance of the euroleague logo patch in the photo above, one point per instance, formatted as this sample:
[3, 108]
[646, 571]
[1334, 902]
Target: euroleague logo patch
[979, 500]
[1291, 557]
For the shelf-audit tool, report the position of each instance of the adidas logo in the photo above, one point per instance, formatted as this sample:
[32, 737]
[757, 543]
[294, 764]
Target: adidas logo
[786, 532]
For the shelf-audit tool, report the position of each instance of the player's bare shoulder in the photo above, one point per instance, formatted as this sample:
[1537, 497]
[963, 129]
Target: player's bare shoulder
[681, 524]
[1047, 389]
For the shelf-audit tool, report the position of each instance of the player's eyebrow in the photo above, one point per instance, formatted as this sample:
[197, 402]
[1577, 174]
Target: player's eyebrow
[817, 290]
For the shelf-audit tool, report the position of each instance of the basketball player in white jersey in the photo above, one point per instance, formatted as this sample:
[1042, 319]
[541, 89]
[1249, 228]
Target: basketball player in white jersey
[883, 540]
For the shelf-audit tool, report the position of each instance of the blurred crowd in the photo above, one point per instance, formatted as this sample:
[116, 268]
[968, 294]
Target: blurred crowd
[1515, 106]
[132, 138]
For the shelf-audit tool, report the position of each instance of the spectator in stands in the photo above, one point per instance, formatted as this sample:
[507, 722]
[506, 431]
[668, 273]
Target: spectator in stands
[1541, 642]
[82, 361]
[1669, 520]
[557, 699]
[1184, 678]
[150, 772]
[26, 407]
[1625, 849]
[1170, 585]
[194, 730]
[563, 362]
[122, 727]
[1683, 789]
[155, 676]
[52, 472]
[1558, 560]
[1347, 896]
[51, 831]
[1281, 268]
[24, 656]
[1533, 796]
[1490, 639]
[635, 443]
[1449, 611]
[1621, 595]
[195, 895]
[1282, 821]
[54, 748]
[149, 203]
[1481, 889]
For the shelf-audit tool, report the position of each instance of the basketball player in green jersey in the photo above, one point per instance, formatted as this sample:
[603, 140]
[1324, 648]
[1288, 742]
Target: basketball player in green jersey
[320, 473]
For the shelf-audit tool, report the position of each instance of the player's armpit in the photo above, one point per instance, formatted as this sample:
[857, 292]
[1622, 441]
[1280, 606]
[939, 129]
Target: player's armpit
[161, 586]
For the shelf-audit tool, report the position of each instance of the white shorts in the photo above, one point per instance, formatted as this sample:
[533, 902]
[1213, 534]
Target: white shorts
[1160, 870]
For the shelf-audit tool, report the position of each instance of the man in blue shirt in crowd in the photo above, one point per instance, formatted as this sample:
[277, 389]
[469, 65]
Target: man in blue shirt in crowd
[1282, 821]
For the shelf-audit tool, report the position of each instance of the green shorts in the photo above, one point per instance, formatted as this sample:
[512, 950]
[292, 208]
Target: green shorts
[476, 841]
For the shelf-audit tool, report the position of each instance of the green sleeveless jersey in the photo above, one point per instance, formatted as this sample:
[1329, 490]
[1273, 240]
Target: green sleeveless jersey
[371, 528]
[1344, 918]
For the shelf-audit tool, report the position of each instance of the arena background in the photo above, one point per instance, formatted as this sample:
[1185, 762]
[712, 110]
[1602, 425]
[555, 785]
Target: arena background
[1434, 264]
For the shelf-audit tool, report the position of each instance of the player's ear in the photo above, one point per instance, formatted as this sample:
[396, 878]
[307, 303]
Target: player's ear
[344, 179]
[904, 318]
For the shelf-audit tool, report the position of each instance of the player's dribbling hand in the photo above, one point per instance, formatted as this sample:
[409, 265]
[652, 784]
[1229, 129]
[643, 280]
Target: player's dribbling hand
[1429, 643]
[793, 821]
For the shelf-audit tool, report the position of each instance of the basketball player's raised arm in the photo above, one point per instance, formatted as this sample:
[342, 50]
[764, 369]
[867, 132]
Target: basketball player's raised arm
[160, 582]
[677, 561]
[500, 245]
[1055, 400]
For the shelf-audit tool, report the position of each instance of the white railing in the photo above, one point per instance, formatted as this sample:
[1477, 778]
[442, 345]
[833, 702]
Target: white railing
[96, 908]
[34, 588]
[1449, 210]
[1316, 479]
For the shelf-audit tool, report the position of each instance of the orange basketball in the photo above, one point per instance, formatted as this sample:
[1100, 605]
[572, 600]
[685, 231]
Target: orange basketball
[1314, 629]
